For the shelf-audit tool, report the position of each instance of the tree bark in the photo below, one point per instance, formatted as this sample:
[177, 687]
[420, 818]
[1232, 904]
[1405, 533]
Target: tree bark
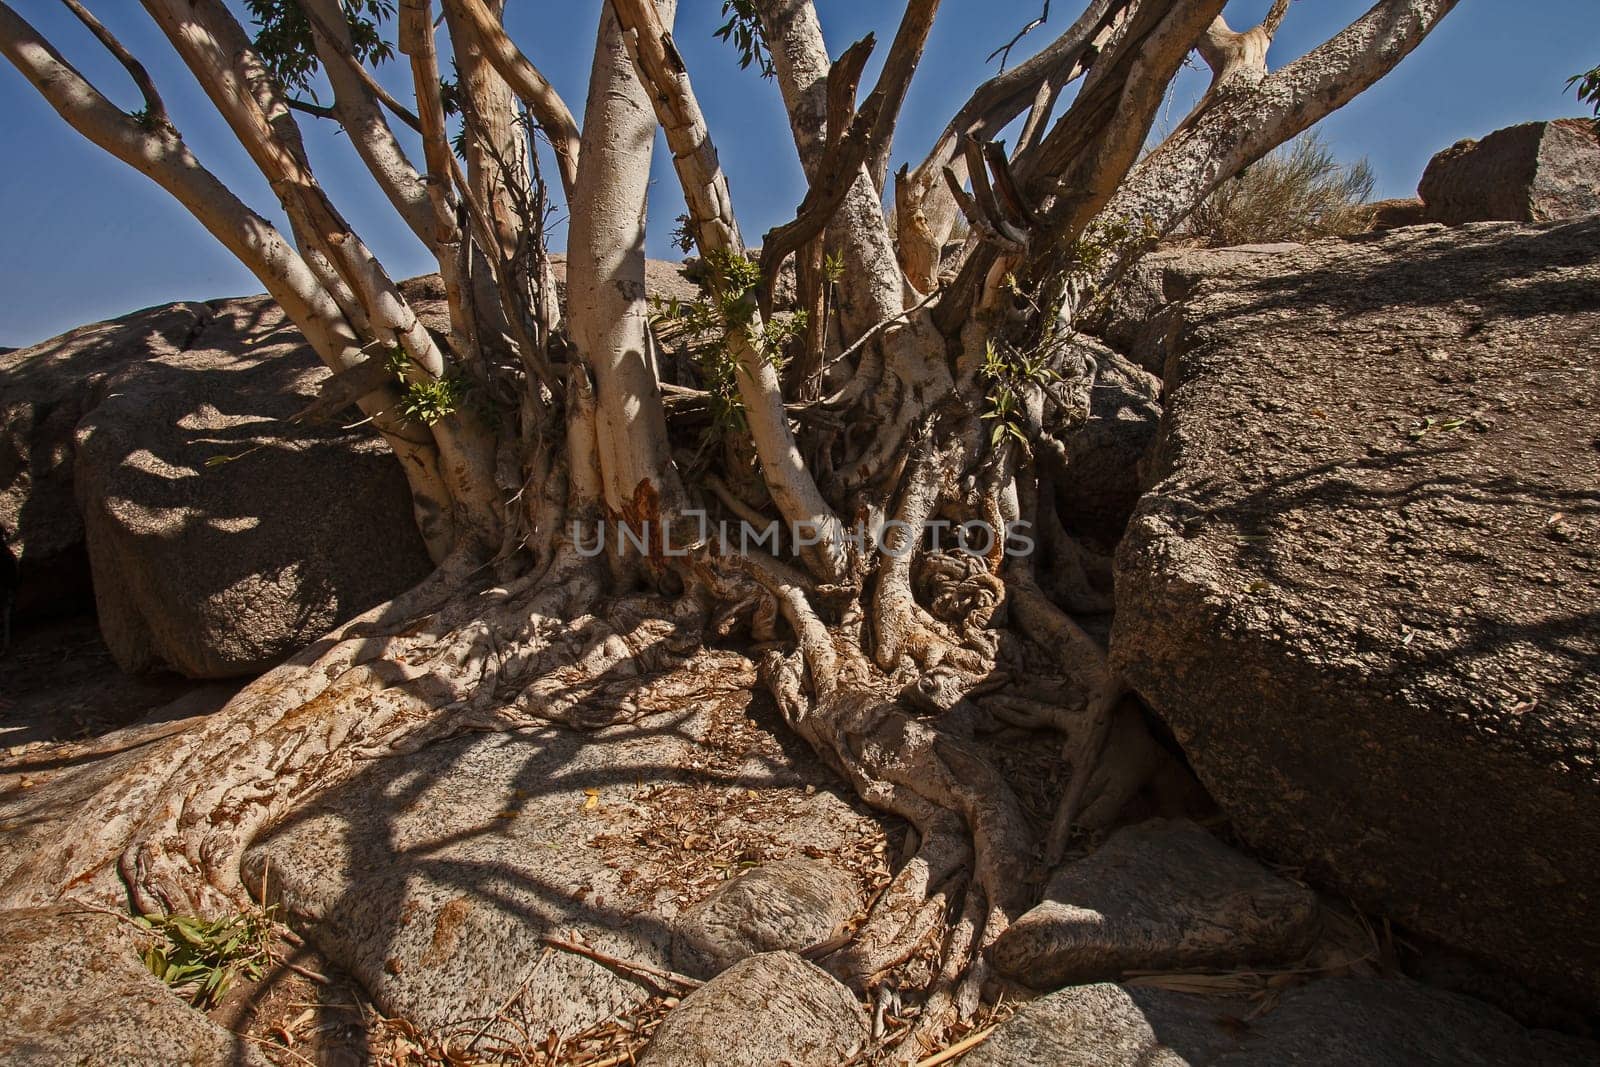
[606, 300]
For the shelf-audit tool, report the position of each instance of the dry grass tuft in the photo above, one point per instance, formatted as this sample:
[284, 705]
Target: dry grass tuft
[1297, 193]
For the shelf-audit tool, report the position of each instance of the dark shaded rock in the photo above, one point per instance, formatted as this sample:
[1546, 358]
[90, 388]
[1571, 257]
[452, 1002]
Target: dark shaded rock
[788, 905]
[1332, 1023]
[773, 1008]
[434, 877]
[1162, 895]
[221, 536]
[1393, 214]
[210, 571]
[1362, 592]
[1535, 172]
[75, 991]
[1107, 1026]
[44, 391]
[1103, 474]
[1141, 317]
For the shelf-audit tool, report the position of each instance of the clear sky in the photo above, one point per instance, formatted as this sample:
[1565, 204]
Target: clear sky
[87, 238]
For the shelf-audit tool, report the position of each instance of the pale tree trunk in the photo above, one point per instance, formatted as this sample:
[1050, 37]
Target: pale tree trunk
[535, 92]
[1231, 130]
[710, 204]
[211, 43]
[497, 150]
[800, 60]
[368, 128]
[606, 303]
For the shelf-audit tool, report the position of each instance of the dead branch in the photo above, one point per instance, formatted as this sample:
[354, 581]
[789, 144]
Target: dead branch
[1004, 51]
[627, 965]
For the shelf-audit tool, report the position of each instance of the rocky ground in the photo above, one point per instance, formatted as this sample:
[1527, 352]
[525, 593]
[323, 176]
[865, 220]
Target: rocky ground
[1351, 487]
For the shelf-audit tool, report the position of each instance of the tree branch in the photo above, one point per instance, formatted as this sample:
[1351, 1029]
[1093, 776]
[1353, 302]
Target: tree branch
[357, 107]
[904, 54]
[925, 213]
[334, 34]
[859, 233]
[154, 108]
[849, 143]
[1004, 51]
[1240, 129]
[1078, 167]
[162, 156]
[537, 94]
[216, 49]
[305, 107]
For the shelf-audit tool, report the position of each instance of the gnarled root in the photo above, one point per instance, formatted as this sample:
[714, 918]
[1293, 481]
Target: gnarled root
[167, 830]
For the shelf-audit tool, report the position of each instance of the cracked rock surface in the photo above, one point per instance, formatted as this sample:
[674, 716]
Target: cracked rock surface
[1362, 590]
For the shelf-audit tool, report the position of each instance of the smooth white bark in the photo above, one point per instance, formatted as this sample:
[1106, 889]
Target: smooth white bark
[607, 308]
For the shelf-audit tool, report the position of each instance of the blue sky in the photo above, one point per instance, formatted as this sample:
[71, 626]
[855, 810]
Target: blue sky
[87, 238]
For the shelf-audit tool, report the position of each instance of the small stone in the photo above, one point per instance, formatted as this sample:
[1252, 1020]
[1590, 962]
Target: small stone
[1157, 896]
[1106, 1026]
[773, 1008]
[789, 904]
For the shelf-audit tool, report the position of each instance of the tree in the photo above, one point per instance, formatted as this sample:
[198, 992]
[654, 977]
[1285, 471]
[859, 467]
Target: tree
[913, 382]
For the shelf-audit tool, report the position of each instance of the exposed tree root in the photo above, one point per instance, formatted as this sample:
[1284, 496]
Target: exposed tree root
[167, 835]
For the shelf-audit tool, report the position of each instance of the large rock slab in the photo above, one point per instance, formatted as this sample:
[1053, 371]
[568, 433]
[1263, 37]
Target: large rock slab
[434, 878]
[1162, 895]
[1362, 591]
[44, 391]
[75, 992]
[788, 905]
[1332, 1023]
[1535, 172]
[774, 1008]
[222, 537]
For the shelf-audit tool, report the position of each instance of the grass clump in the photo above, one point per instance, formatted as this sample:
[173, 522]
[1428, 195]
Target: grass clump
[1301, 191]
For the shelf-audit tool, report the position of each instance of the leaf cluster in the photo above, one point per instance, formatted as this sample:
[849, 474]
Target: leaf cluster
[1588, 86]
[1011, 374]
[743, 30]
[728, 304]
[1110, 240]
[424, 399]
[202, 958]
[286, 45]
